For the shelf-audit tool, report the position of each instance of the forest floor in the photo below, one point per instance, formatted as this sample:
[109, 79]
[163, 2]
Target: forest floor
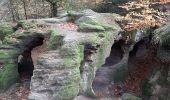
[143, 14]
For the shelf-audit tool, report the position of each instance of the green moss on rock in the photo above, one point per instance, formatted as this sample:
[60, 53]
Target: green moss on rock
[106, 38]
[94, 23]
[110, 27]
[7, 54]
[8, 76]
[68, 92]
[7, 41]
[74, 76]
[5, 29]
[26, 24]
[74, 15]
[56, 40]
[89, 27]
[73, 55]
[8, 68]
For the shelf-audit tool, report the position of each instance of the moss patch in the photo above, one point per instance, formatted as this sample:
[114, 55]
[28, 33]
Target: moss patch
[56, 40]
[73, 55]
[74, 76]
[68, 92]
[89, 27]
[7, 41]
[5, 29]
[94, 24]
[27, 25]
[7, 54]
[8, 76]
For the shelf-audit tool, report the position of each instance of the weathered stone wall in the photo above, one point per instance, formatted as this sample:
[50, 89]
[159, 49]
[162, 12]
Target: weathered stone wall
[160, 80]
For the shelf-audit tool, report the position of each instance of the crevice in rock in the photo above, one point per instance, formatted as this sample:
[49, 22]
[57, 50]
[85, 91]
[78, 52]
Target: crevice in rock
[104, 75]
[27, 59]
[142, 62]
[139, 49]
[90, 49]
[25, 65]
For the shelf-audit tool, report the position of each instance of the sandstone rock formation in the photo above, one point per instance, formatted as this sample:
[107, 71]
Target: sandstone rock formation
[68, 51]
[67, 67]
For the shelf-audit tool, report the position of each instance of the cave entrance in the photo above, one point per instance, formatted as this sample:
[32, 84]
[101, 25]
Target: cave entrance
[142, 62]
[26, 60]
[104, 75]
[25, 66]
[139, 49]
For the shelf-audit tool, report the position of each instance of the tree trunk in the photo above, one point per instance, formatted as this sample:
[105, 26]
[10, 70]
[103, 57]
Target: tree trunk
[36, 9]
[11, 10]
[43, 7]
[17, 11]
[25, 10]
[54, 9]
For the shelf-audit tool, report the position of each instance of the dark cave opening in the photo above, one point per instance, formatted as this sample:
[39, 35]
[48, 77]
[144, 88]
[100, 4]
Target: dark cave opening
[104, 75]
[25, 60]
[116, 54]
[141, 65]
[25, 65]
[139, 49]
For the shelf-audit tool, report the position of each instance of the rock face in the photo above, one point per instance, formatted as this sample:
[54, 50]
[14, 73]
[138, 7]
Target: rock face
[74, 47]
[160, 80]
[74, 51]
[69, 70]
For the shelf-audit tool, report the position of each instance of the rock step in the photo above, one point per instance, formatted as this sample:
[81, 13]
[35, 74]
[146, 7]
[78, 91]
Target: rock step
[50, 60]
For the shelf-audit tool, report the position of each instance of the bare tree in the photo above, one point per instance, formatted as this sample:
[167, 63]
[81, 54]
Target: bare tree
[54, 7]
[11, 9]
[25, 10]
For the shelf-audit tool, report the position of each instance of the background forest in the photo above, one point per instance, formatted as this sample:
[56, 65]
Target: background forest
[13, 10]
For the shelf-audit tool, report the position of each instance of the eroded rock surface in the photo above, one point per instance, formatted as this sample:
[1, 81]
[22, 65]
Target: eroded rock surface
[68, 52]
[68, 65]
